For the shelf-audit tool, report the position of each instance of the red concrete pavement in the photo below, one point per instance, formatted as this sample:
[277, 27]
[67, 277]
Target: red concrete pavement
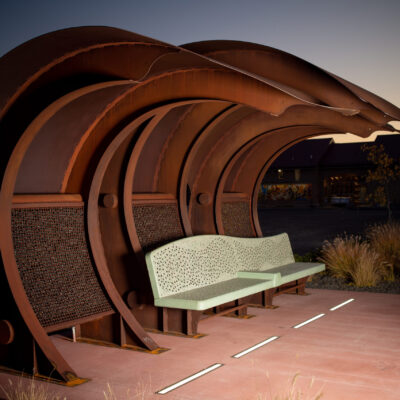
[349, 354]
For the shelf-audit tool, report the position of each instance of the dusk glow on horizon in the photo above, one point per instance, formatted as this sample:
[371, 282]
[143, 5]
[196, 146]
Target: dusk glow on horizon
[356, 40]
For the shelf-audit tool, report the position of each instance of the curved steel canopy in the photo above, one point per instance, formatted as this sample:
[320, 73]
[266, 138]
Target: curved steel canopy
[155, 142]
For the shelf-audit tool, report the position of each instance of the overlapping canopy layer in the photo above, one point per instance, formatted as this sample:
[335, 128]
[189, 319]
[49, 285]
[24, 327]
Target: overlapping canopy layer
[113, 143]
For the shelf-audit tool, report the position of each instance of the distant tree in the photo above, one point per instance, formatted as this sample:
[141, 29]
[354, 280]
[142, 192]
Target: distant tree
[386, 171]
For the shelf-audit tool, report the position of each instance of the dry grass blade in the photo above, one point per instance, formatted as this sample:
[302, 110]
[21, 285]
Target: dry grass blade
[142, 392]
[109, 393]
[32, 391]
[385, 240]
[352, 259]
[293, 392]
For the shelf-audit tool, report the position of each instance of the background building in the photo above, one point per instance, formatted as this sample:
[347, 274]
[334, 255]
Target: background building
[321, 172]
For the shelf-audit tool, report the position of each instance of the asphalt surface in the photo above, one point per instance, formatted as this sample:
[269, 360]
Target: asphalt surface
[309, 227]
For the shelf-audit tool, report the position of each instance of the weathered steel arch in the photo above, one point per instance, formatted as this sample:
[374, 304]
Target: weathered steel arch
[126, 142]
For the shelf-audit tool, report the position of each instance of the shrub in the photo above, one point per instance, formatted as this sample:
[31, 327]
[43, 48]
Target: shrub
[385, 240]
[311, 256]
[352, 259]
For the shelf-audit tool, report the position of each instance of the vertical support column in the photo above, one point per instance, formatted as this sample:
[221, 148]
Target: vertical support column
[165, 319]
[191, 322]
[301, 289]
[267, 296]
[242, 311]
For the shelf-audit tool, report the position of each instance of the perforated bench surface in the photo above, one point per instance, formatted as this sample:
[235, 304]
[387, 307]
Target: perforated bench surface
[213, 295]
[201, 272]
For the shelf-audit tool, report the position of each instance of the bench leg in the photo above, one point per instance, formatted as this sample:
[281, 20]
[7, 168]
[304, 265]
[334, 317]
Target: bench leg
[191, 322]
[242, 311]
[267, 296]
[165, 326]
[216, 309]
[301, 290]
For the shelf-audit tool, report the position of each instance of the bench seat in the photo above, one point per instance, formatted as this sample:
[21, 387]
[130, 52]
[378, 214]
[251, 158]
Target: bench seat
[216, 294]
[285, 273]
[206, 272]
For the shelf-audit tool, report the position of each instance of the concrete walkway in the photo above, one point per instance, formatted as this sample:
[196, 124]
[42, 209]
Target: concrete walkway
[348, 354]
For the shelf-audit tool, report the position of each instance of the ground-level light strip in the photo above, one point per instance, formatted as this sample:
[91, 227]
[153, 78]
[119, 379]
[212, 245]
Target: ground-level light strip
[242, 353]
[255, 347]
[189, 378]
[341, 305]
[308, 321]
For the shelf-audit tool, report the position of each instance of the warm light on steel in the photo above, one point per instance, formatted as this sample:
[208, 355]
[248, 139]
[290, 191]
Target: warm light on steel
[124, 142]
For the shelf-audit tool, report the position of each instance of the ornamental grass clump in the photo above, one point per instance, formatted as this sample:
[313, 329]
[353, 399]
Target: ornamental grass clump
[354, 260]
[28, 391]
[385, 240]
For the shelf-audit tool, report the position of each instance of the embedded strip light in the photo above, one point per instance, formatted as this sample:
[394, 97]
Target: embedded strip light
[308, 321]
[255, 347]
[189, 379]
[341, 305]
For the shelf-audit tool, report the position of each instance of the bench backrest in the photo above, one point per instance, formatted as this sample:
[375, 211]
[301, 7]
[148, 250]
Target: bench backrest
[199, 261]
[257, 254]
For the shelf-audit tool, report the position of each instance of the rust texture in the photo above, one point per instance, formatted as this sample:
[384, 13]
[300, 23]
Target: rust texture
[236, 219]
[54, 264]
[157, 224]
[143, 142]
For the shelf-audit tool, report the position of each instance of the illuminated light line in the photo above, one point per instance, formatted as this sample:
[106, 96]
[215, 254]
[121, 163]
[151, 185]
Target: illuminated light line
[255, 347]
[341, 305]
[189, 378]
[308, 321]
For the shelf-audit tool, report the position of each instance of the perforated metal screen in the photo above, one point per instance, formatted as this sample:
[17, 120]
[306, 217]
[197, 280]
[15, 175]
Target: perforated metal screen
[236, 219]
[157, 224]
[55, 265]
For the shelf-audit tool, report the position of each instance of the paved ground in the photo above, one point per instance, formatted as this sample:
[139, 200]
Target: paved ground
[309, 227]
[352, 353]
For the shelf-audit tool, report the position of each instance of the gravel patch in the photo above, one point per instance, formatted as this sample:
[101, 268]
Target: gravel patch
[326, 281]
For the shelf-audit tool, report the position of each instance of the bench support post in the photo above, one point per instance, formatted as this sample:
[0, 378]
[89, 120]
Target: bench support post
[240, 312]
[267, 297]
[191, 322]
[165, 319]
[301, 286]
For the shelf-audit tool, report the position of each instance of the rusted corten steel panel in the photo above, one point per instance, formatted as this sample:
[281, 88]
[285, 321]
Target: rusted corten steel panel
[129, 129]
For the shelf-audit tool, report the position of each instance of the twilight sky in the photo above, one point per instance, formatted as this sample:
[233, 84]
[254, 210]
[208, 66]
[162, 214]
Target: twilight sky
[358, 40]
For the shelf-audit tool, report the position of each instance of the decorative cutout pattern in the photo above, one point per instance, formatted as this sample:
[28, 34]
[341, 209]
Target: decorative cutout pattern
[55, 266]
[156, 224]
[192, 263]
[236, 219]
[263, 253]
[199, 261]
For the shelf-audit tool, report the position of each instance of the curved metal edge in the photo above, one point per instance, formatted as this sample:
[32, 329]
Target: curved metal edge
[188, 166]
[7, 246]
[95, 240]
[262, 172]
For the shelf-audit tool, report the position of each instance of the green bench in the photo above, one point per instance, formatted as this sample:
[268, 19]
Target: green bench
[202, 272]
